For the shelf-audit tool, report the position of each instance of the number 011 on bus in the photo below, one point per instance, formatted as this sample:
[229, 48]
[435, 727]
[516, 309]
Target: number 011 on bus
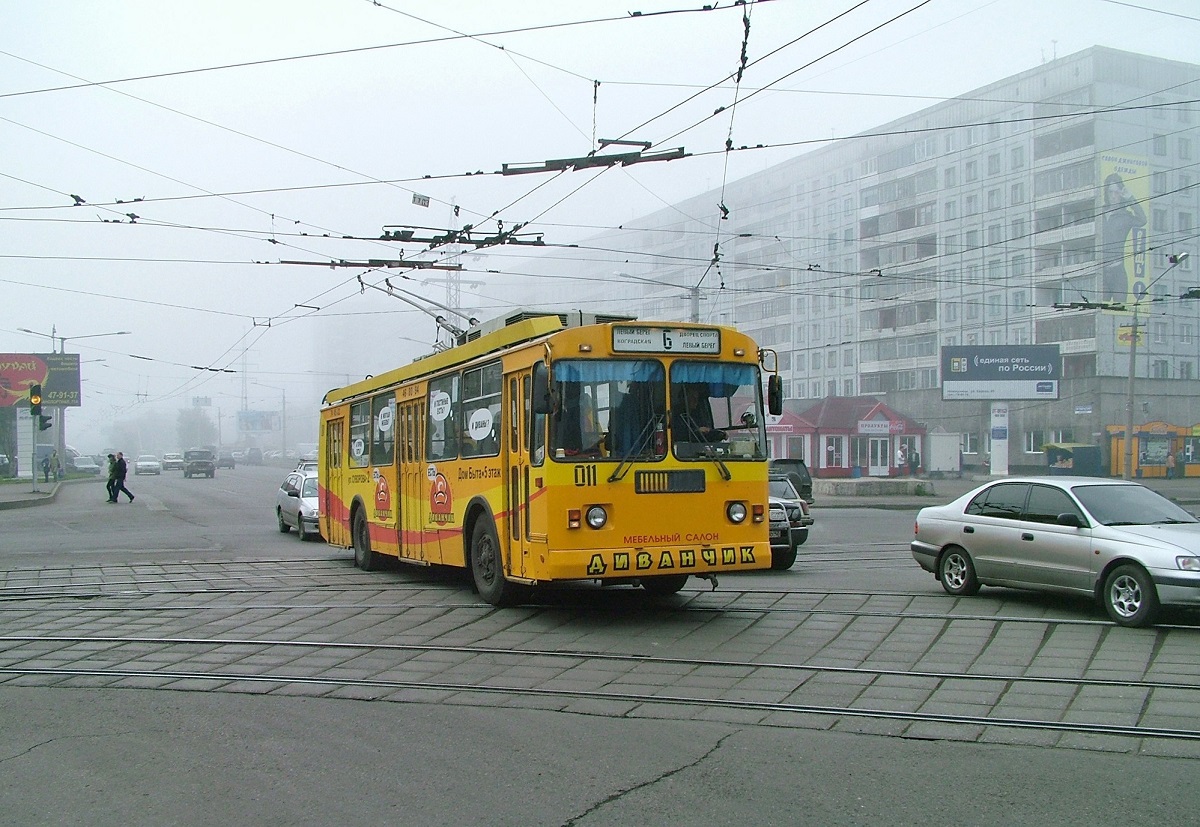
[545, 450]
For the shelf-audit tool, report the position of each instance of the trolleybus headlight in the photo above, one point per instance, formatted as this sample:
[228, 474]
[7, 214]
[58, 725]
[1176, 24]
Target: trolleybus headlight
[736, 512]
[597, 516]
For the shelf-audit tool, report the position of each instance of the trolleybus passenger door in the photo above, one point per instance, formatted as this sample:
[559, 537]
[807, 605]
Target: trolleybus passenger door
[533, 524]
[412, 480]
[332, 505]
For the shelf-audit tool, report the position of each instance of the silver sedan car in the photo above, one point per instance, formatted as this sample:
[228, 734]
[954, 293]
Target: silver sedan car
[296, 504]
[1128, 547]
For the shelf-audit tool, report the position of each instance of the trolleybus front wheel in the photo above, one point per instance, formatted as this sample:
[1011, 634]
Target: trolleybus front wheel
[364, 558]
[487, 567]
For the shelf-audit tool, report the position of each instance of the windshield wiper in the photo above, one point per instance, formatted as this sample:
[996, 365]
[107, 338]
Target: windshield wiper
[639, 446]
[1172, 521]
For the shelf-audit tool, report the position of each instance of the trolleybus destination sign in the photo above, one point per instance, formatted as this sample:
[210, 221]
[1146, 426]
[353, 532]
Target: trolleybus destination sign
[1001, 372]
[665, 340]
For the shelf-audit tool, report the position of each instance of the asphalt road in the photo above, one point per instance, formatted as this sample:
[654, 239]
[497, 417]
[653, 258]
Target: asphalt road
[203, 559]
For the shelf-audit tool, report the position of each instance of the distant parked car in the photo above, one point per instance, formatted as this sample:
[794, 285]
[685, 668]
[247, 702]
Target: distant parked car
[199, 462]
[1117, 542]
[225, 459]
[147, 464]
[296, 504]
[798, 472]
[86, 465]
[172, 462]
[799, 514]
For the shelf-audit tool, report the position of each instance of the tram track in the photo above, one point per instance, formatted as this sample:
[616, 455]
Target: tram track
[228, 677]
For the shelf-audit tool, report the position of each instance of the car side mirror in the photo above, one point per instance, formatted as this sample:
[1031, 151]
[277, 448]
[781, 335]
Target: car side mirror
[1070, 519]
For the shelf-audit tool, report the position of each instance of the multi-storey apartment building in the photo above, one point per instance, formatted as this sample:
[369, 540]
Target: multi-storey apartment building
[1036, 210]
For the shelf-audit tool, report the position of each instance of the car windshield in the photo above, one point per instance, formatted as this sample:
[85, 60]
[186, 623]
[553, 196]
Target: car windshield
[309, 487]
[1117, 505]
[784, 489]
[145, 458]
[199, 455]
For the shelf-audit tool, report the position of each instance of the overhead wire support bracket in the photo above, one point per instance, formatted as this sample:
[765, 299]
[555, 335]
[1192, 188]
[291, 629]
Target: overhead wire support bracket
[624, 159]
[376, 263]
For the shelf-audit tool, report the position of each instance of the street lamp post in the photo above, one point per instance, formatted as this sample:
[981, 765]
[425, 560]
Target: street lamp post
[1127, 470]
[61, 446]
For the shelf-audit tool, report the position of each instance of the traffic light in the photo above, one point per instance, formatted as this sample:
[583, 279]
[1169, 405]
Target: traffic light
[35, 400]
[45, 422]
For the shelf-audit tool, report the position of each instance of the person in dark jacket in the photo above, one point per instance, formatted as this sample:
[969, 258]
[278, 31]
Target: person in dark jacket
[119, 485]
[112, 478]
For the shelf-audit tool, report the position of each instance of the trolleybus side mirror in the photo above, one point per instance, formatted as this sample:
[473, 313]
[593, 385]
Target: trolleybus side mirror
[542, 401]
[775, 394]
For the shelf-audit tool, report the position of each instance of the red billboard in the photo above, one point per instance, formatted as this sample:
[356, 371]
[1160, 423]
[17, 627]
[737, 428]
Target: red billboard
[58, 374]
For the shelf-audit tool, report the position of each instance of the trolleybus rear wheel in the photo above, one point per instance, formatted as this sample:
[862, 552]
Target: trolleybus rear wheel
[364, 558]
[487, 567]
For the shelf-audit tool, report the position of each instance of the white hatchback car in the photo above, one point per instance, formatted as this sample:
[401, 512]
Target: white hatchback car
[1118, 542]
[296, 504]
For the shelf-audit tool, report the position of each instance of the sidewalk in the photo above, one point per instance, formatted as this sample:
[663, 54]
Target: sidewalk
[835, 493]
[21, 494]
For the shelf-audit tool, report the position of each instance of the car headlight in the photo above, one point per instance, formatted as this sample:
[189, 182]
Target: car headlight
[1188, 563]
[597, 516]
[736, 512]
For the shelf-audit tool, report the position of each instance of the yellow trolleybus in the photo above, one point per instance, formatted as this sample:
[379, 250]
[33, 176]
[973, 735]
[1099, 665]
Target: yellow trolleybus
[544, 448]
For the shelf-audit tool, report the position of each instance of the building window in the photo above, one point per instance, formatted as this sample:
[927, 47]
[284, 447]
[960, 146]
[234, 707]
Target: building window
[1034, 440]
[1017, 229]
[1185, 149]
[1158, 181]
[847, 387]
[1160, 144]
[1020, 264]
[993, 164]
[950, 176]
[1017, 157]
[971, 172]
[1160, 333]
[995, 306]
[994, 234]
[994, 201]
[951, 209]
[1185, 370]
[972, 203]
[1158, 220]
[1160, 370]
[1016, 194]
[969, 443]
[1185, 333]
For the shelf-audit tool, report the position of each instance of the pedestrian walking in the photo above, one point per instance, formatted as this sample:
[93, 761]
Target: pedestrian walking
[46, 468]
[121, 468]
[1170, 466]
[112, 478]
[914, 462]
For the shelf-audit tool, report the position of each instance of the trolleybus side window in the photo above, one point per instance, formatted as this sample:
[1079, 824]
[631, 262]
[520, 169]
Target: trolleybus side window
[360, 434]
[383, 429]
[481, 411]
[443, 427]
